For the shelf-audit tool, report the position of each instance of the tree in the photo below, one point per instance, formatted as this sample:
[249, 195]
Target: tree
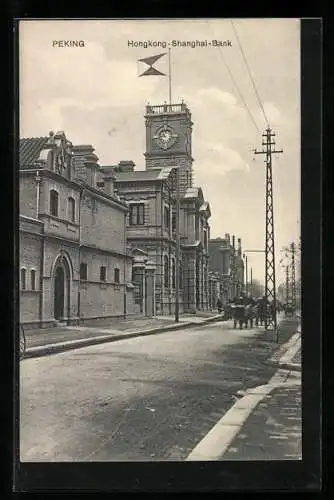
[281, 292]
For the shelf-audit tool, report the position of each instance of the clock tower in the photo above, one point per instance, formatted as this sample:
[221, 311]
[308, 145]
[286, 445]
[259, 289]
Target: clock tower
[168, 139]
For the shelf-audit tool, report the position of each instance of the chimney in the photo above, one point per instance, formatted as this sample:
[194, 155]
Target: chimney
[126, 166]
[85, 163]
[227, 238]
[239, 247]
[233, 242]
[108, 179]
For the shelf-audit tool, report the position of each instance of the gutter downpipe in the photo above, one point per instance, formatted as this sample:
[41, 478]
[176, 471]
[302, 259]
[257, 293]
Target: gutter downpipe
[79, 280]
[124, 270]
[41, 269]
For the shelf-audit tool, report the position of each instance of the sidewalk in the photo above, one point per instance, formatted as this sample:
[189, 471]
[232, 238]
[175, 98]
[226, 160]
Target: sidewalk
[49, 340]
[264, 423]
[273, 431]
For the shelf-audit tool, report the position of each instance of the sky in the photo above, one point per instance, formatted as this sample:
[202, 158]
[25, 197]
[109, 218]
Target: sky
[94, 94]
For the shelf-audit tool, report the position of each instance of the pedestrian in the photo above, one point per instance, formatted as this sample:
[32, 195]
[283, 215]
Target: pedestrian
[219, 305]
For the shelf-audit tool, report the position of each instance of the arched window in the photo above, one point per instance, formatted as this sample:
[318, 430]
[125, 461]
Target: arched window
[33, 279]
[173, 273]
[54, 203]
[116, 275]
[166, 272]
[23, 278]
[71, 209]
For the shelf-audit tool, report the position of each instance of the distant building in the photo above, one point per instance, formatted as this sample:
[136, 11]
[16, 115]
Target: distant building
[227, 265]
[73, 259]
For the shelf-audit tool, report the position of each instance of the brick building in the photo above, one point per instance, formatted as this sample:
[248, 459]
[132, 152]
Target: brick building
[227, 265]
[74, 264]
[151, 222]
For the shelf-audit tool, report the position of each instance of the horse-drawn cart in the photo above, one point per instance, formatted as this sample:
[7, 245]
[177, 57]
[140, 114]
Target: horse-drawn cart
[239, 315]
[245, 315]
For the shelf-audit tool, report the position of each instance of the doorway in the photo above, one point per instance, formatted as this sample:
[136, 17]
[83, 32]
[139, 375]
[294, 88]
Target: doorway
[59, 293]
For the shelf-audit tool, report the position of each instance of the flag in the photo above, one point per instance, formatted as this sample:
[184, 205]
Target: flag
[150, 61]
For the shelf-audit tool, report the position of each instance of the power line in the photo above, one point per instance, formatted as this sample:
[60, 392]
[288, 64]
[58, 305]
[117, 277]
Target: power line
[235, 83]
[250, 74]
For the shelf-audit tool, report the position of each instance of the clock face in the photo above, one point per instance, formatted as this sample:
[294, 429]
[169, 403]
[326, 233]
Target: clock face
[165, 137]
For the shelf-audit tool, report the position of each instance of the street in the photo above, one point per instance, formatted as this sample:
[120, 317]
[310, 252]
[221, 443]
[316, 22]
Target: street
[141, 399]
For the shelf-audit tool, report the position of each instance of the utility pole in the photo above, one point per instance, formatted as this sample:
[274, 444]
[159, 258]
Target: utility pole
[177, 264]
[287, 285]
[268, 149]
[234, 274]
[251, 281]
[293, 277]
[246, 267]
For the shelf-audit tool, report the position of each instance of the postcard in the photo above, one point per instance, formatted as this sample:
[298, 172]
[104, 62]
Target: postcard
[159, 239]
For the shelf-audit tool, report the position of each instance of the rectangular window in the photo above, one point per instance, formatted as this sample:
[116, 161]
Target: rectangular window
[103, 273]
[54, 203]
[174, 223]
[23, 279]
[71, 209]
[116, 275]
[167, 217]
[138, 294]
[33, 279]
[137, 214]
[205, 240]
[83, 271]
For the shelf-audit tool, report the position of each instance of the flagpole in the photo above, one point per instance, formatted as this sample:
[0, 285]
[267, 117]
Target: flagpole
[170, 76]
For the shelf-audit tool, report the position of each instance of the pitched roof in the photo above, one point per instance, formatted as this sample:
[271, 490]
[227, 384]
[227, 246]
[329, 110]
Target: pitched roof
[152, 174]
[205, 207]
[30, 149]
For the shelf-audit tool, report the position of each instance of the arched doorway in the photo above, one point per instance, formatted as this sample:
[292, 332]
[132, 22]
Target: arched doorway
[62, 288]
[59, 293]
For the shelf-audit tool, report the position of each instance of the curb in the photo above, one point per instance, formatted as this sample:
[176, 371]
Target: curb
[291, 366]
[290, 353]
[219, 438]
[34, 352]
[282, 351]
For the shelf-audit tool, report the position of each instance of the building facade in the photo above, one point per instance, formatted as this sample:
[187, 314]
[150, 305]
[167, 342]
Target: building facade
[227, 265]
[151, 222]
[74, 264]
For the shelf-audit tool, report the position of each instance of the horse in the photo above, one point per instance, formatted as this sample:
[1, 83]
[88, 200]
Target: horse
[239, 315]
